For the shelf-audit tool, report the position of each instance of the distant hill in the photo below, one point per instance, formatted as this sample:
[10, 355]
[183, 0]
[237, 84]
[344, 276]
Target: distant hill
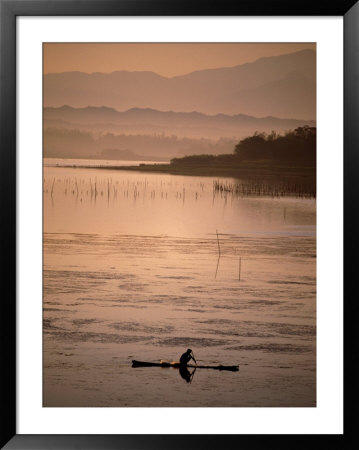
[282, 86]
[69, 143]
[150, 121]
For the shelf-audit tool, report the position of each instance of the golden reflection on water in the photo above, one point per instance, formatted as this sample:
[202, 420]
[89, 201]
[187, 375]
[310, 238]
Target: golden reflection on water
[109, 201]
[134, 270]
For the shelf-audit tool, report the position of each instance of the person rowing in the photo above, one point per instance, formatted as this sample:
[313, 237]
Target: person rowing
[186, 358]
[182, 364]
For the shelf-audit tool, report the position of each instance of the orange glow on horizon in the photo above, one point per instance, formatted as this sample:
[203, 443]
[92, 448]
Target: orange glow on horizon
[165, 59]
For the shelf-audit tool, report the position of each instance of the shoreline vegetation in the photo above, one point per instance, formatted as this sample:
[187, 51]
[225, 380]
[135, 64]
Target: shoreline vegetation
[265, 164]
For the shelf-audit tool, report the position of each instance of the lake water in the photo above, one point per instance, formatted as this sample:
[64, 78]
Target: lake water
[134, 269]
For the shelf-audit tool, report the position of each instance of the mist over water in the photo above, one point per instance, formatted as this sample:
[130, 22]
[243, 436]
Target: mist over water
[133, 269]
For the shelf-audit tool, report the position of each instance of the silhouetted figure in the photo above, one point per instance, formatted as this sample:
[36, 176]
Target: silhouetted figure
[186, 374]
[186, 357]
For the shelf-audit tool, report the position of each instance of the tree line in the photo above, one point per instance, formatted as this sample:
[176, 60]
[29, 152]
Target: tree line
[296, 147]
[296, 144]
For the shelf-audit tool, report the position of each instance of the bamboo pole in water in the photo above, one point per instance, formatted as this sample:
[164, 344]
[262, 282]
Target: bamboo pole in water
[219, 248]
[52, 188]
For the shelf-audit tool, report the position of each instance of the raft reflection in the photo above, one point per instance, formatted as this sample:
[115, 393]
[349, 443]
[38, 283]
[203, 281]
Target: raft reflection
[186, 374]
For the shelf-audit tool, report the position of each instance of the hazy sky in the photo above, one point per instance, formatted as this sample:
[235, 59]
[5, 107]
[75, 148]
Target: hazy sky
[165, 59]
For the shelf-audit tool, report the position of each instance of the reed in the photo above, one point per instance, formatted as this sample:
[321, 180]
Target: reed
[264, 188]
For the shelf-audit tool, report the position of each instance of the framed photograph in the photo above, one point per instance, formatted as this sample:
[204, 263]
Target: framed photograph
[174, 179]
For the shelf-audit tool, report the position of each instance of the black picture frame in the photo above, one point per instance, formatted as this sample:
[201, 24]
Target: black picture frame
[9, 10]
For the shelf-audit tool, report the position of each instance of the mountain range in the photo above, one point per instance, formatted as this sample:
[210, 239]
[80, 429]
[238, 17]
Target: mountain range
[283, 86]
[150, 121]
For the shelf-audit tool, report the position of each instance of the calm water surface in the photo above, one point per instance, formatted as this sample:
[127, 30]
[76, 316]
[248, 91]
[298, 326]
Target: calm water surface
[132, 271]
